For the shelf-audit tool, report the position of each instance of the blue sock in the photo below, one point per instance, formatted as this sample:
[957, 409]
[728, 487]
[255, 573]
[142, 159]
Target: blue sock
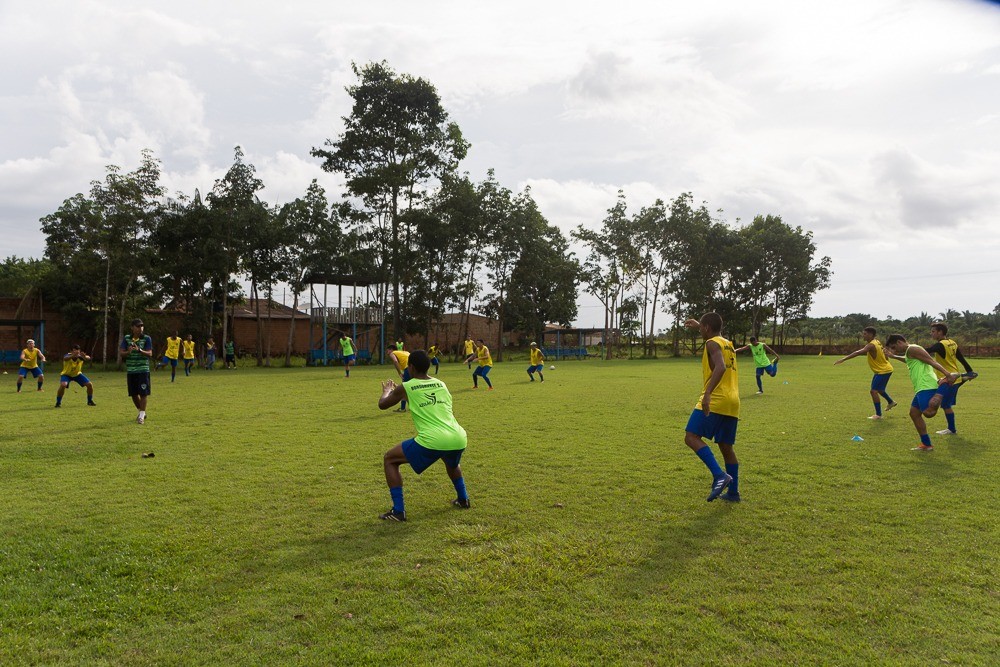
[885, 396]
[460, 488]
[39, 384]
[402, 405]
[951, 421]
[58, 400]
[733, 470]
[878, 407]
[760, 387]
[488, 383]
[173, 373]
[347, 369]
[925, 440]
[397, 498]
[708, 458]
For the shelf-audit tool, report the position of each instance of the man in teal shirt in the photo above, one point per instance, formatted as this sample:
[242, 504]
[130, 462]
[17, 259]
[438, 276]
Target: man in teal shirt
[764, 364]
[926, 384]
[137, 348]
[439, 435]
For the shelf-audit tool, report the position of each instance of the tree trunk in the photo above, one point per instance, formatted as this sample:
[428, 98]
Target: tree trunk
[291, 331]
[121, 315]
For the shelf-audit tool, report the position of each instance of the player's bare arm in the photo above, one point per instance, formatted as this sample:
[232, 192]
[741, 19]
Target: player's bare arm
[857, 353]
[392, 394]
[718, 366]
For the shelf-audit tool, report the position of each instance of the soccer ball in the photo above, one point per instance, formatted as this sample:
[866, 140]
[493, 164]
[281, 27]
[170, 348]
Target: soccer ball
[552, 368]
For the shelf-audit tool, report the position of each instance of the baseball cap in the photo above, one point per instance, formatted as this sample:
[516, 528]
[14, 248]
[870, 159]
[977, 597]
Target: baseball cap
[137, 322]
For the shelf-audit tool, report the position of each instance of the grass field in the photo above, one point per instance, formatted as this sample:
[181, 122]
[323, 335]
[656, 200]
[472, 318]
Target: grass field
[252, 536]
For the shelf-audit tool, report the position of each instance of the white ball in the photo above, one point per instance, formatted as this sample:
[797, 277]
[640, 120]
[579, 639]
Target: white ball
[552, 368]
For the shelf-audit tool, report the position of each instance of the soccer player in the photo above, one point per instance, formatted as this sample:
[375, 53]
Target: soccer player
[170, 355]
[188, 354]
[30, 356]
[537, 362]
[880, 366]
[439, 435]
[470, 348]
[210, 354]
[485, 360]
[347, 348]
[946, 353]
[400, 345]
[717, 414]
[434, 353]
[400, 360]
[72, 371]
[230, 354]
[137, 348]
[764, 363]
[926, 385]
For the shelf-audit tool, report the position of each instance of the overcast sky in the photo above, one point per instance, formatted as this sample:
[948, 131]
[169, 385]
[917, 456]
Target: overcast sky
[876, 125]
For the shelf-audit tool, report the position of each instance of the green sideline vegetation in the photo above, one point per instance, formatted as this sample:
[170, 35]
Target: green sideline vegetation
[252, 536]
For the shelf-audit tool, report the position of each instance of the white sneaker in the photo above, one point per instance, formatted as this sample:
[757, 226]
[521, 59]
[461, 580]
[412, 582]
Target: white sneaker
[759, 393]
[946, 431]
[140, 420]
[875, 417]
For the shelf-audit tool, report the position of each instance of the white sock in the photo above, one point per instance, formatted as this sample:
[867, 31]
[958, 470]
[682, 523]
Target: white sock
[142, 413]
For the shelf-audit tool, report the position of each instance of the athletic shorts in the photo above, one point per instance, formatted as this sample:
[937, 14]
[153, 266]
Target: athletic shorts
[138, 384]
[949, 394]
[434, 360]
[80, 379]
[23, 372]
[482, 371]
[230, 358]
[349, 358]
[168, 360]
[880, 381]
[420, 458]
[188, 361]
[536, 369]
[770, 369]
[721, 428]
[923, 398]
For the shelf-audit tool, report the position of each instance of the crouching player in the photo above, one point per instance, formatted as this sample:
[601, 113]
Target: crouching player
[927, 394]
[72, 371]
[718, 412]
[537, 362]
[439, 435]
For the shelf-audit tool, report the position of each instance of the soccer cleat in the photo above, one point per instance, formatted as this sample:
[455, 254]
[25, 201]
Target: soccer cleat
[719, 485]
[759, 393]
[91, 403]
[946, 431]
[875, 417]
[140, 420]
[731, 497]
[971, 375]
[490, 389]
[922, 448]
[393, 515]
[891, 405]
[58, 405]
[461, 504]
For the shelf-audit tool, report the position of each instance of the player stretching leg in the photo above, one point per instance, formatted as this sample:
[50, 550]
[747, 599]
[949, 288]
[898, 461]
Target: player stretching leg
[439, 435]
[946, 353]
[880, 366]
[926, 386]
[717, 414]
[764, 363]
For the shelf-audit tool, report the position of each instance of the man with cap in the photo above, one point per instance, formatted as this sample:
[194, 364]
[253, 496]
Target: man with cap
[137, 348]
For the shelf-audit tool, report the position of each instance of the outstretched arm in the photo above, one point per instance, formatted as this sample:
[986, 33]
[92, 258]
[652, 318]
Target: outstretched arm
[856, 353]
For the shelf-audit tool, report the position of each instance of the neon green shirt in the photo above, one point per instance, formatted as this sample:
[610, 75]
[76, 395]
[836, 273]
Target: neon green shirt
[759, 355]
[921, 374]
[346, 347]
[430, 407]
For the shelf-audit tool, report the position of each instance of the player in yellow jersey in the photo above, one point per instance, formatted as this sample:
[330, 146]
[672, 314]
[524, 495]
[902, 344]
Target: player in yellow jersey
[536, 361]
[30, 358]
[434, 353]
[170, 354]
[717, 414]
[485, 361]
[880, 366]
[470, 348]
[946, 353]
[72, 371]
[400, 359]
[188, 344]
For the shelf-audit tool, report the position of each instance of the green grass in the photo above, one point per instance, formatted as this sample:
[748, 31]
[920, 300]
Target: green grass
[252, 537]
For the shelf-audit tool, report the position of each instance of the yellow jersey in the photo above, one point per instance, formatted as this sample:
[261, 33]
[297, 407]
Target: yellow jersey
[404, 359]
[537, 357]
[30, 358]
[726, 395]
[483, 356]
[189, 349]
[72, 367]
[173, 347]
[433, 352]
[877, 361]
[469, 347]
[950, 358]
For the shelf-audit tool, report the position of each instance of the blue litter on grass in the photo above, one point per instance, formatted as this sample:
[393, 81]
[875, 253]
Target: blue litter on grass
[858, 438]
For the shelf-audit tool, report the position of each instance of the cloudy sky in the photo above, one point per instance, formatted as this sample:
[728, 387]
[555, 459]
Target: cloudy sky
[874, 124]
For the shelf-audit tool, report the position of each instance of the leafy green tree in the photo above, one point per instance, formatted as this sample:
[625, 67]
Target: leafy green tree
[396, 143]
[18, 277]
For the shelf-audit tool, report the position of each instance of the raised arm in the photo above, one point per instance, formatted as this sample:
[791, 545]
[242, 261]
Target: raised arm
[856, 353]
[392, 394]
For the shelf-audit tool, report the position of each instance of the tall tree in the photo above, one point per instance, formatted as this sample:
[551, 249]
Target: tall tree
[396, 142]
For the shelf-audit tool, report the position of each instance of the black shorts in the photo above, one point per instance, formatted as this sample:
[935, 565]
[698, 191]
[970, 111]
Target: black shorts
[231, 357]
[138, 384]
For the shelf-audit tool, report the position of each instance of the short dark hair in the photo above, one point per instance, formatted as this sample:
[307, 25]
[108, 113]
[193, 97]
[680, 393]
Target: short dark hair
[753, 339]
[713, 321]
[940, 326]
[76, 346]
[870, 330]
[420, 361]
[895, 338]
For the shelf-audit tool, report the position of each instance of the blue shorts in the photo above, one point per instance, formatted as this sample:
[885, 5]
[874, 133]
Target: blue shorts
[349, 358]
[23, 372]
[536, 369]
[923, 398]
[420, 458]
[721, 428]
[434, 360]
[482, 371]
[880, 381]
[138, 384]
[949, 394]
[80, 379]
[406, 374]
[770, 369]
[168, 360]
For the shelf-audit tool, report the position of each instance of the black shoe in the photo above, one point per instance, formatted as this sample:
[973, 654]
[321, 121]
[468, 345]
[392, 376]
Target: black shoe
[91, 403]
[393, 515]
[463, 504]
[719, 485]
[731, 497]
[58, 405]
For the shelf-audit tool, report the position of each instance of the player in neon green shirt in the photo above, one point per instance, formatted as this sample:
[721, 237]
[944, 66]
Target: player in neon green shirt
[926, 384]
[347, 351]
[764, 363]
[439, 435]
